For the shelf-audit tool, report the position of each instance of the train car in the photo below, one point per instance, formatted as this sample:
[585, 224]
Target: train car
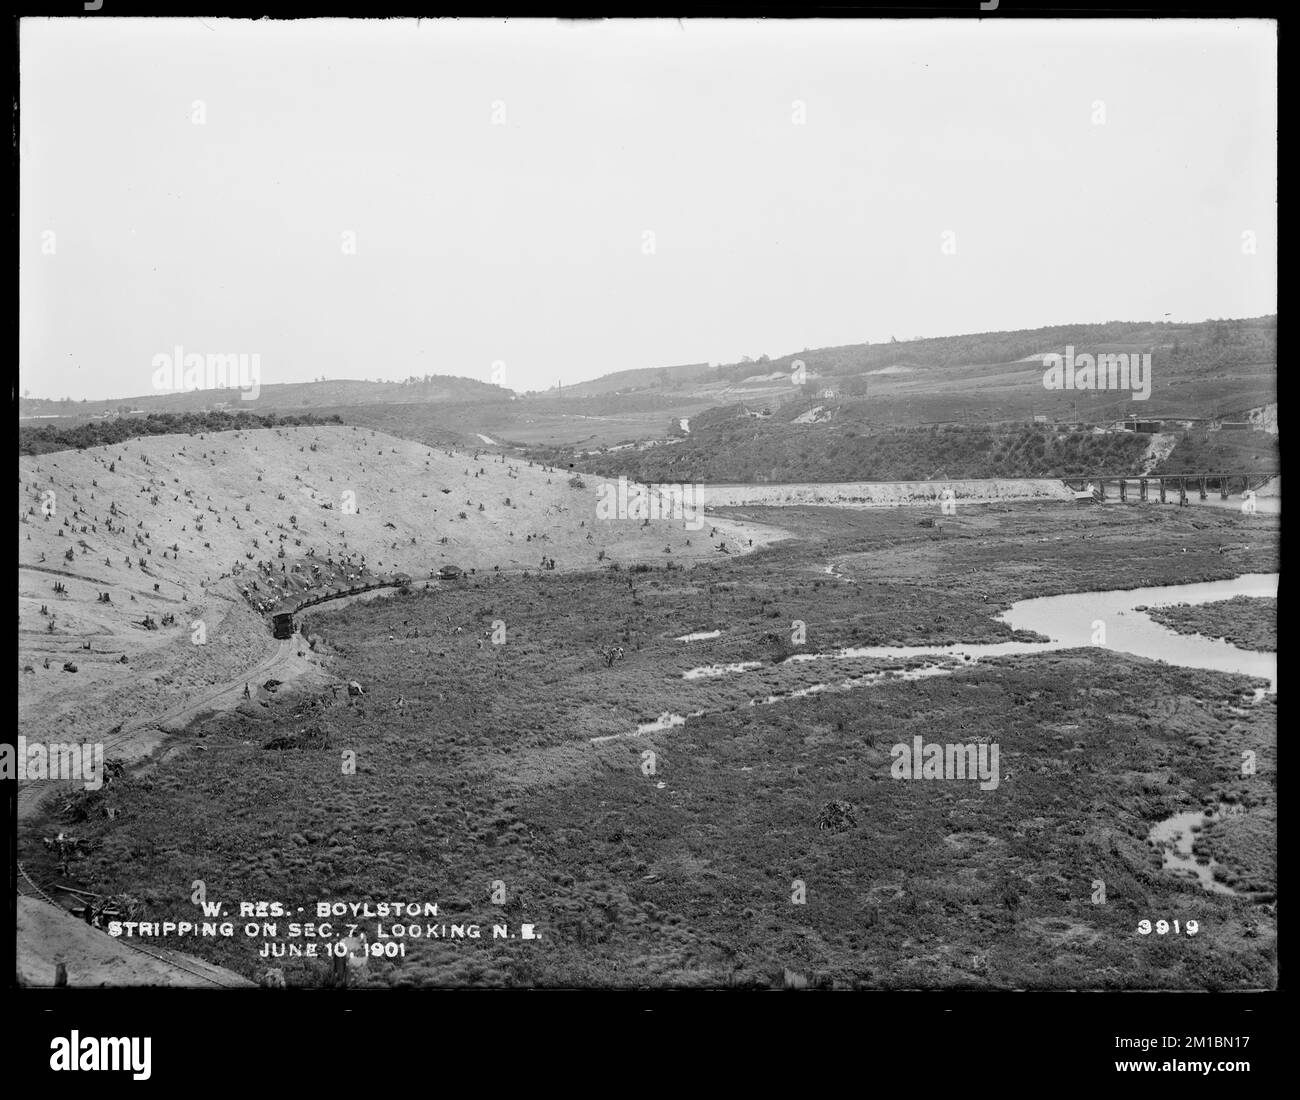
[284, 625]
[282, 620]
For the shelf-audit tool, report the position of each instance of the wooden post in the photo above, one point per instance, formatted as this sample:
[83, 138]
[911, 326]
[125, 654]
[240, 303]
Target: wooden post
[1182, 490]
[1204, 487]
[1142, 490]
[1123, 490]
[1162, 490]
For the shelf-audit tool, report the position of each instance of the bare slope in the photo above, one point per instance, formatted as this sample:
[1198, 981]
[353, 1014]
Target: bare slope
[869, 494]
[202, 521]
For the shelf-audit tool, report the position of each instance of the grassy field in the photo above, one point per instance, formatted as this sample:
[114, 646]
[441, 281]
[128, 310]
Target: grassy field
[1203, 452]
[475, 765]
[1246, 622]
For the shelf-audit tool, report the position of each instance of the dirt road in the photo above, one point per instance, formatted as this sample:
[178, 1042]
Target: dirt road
[137, 740]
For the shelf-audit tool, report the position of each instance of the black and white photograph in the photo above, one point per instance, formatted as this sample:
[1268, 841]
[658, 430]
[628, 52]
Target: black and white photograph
[646, 504]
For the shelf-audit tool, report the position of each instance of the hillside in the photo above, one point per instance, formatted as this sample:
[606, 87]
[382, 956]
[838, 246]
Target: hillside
[746, 450]
[1211, 369]
[578, 422]
[1198, 370]
[635, 380]
[1178, 349]
[279, 396]
[78, 434]
[194, 526]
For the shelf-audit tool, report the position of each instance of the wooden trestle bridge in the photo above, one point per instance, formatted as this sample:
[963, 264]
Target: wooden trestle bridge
[1166, 484]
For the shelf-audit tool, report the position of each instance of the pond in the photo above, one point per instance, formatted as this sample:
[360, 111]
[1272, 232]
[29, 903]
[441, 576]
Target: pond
[1175, 837]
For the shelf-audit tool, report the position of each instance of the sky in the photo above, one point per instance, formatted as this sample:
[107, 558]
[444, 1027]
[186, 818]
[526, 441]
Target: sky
[537, 201]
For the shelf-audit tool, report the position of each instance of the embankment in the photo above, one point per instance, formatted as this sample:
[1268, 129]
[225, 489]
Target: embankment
[884, 494]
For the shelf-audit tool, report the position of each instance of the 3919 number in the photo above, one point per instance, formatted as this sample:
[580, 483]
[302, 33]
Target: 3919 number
[1164, 927]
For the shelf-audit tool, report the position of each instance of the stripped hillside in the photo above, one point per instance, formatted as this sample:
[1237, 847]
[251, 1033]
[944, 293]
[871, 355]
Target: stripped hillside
[739, 449]
[148, 567]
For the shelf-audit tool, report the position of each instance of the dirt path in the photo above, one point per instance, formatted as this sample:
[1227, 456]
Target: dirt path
[1160, 447]
[60, 572]
[136, 741]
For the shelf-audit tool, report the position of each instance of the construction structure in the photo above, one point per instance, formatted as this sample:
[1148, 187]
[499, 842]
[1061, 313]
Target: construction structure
[1225, 484]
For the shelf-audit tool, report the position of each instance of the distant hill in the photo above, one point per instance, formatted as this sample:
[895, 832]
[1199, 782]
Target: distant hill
[45, 437]
[868, 411]
[636, 380]
[1180, 348]
[286, 396]
[1222, 368]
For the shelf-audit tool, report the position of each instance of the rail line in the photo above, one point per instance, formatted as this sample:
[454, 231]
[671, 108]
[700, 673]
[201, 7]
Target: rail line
[22, 871]
[168, 959]
[287, 607]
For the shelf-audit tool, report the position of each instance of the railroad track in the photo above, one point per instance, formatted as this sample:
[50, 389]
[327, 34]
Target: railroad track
[169, 958]
[34, 890]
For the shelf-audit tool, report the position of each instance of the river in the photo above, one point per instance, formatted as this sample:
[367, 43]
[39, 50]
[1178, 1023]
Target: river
[1070, 621]
[1107, 619]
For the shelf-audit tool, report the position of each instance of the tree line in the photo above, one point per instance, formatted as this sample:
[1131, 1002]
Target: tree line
[42, 439]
